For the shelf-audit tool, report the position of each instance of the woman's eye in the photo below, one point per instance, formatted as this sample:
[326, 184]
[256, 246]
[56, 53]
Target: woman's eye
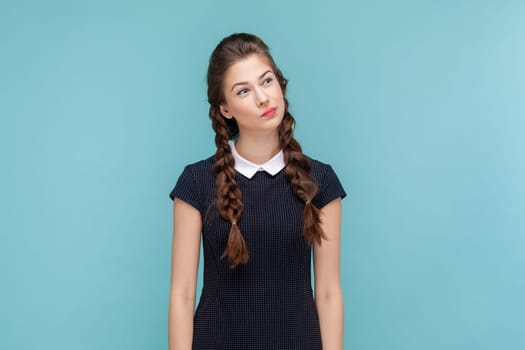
[267, 81]
[242, 91]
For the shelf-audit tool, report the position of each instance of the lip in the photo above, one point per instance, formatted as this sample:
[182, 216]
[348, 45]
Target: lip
[270, 112]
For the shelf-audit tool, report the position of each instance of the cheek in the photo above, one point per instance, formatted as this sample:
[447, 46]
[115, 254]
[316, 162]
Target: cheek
[242, 107]
[278, 93]
[279, 98]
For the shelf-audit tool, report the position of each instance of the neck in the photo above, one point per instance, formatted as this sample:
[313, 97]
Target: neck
[258, 149]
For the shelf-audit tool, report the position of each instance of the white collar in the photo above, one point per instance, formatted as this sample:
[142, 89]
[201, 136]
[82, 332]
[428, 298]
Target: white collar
[248, 169]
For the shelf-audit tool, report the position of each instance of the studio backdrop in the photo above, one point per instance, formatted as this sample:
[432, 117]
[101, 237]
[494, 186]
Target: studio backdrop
[417, 105]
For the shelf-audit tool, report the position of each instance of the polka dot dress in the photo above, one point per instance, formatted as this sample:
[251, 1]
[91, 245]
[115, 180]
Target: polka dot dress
[268, 302]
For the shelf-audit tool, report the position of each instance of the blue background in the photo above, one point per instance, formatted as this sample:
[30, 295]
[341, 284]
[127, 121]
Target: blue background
[418, 105]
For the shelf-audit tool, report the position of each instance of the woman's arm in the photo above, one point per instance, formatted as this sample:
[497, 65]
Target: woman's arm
[187, 226]
[328, 294]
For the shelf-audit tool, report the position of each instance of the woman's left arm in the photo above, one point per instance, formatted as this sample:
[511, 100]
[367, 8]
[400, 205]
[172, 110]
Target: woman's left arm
[328, 293]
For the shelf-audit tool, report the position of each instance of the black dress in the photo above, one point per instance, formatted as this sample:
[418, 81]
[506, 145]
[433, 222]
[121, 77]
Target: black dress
[267, 303]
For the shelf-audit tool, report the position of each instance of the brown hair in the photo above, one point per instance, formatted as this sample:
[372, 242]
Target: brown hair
[228, 196]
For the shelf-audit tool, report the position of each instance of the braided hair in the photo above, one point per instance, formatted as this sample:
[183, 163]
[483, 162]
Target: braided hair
[228, 197]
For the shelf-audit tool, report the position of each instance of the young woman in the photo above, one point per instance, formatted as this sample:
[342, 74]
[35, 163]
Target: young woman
[260, 206]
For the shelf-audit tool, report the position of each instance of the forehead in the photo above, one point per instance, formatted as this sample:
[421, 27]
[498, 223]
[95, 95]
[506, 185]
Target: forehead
[246, 70]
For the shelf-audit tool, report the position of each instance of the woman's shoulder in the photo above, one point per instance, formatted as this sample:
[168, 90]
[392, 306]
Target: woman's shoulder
[329, 184]
[319, 168]
[203, 164]
[199, 171]
[194, 178]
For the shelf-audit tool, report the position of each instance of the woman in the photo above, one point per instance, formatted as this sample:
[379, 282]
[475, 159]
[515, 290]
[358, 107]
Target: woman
[260, 205]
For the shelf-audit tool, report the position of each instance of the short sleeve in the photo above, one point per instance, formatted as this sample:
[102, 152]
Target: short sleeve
[186, 189]
[329, 189]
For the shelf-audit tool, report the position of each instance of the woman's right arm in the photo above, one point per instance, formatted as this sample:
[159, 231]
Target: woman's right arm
[187, 225]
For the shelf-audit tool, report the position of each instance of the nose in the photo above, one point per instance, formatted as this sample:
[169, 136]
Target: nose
[261, 97]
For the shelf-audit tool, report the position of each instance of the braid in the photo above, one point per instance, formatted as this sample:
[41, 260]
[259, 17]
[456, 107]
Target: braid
[303, 184]
[228, 195]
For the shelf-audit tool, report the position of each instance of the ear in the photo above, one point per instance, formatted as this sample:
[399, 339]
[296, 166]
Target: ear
[225, 112]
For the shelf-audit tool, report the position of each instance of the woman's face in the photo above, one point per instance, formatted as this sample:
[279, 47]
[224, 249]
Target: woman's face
[253, 96]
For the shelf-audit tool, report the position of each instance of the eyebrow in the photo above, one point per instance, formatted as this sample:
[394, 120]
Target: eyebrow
[244, 82]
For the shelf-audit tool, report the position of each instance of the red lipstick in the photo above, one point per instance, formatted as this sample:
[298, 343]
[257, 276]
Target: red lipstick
[270, 112]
